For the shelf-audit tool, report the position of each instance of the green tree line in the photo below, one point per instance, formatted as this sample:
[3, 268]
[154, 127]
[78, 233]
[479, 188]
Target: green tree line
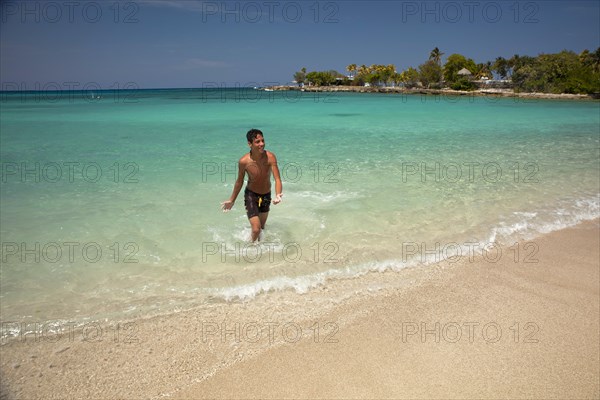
[564, 72]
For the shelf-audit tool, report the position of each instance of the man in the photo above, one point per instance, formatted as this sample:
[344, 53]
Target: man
[258, 164]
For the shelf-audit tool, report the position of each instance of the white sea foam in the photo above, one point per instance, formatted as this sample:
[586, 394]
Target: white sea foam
[527, 225]
[325, 197]
[303, 284]
[522, 225]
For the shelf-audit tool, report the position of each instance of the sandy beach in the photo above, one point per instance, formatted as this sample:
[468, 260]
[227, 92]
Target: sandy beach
[521, 325]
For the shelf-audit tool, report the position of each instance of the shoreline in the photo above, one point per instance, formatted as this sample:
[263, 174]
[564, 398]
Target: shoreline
[527, 331]
[284, 344]
[509, 93]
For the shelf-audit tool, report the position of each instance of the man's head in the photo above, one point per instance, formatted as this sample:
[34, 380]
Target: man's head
[256, 140]
[252, 133]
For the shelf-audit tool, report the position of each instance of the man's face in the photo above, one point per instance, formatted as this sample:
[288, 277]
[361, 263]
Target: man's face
[258, 144]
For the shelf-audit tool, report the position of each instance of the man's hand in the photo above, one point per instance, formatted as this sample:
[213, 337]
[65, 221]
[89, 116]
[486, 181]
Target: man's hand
[226, 205]
[278, 198]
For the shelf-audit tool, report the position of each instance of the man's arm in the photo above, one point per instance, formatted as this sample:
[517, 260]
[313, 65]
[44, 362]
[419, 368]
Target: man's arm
[239, 182]
[278, 185]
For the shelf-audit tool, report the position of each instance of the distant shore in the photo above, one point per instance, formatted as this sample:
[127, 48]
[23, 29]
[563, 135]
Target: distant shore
[436, 92]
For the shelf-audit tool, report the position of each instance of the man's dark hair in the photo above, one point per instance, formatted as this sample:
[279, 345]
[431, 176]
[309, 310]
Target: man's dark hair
[252, 134]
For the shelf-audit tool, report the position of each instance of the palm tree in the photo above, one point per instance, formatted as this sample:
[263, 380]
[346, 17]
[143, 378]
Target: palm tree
[379, 71]
[501, 67]
[590, 59]
[483, 70]
[410, 77]
[390, 70]
[300, 76]
[436, 56]
[351, 69]
[596, 59]
[363, 70]
[513, 63]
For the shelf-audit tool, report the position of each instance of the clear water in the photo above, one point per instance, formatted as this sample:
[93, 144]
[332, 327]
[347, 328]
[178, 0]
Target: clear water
[110, 201]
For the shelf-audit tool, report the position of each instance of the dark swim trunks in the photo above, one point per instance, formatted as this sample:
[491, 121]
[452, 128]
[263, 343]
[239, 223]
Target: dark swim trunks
[256, 203]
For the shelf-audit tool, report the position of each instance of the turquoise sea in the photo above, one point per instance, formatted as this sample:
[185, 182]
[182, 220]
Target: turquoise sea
[110, 201]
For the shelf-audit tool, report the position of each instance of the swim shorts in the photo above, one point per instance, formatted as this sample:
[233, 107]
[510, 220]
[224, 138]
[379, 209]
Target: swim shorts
[256, 203]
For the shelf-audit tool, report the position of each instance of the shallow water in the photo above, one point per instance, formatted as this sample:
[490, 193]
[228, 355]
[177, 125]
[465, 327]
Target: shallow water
[110, 205]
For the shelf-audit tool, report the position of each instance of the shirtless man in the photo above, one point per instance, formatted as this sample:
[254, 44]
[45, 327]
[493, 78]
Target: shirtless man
[258, 164]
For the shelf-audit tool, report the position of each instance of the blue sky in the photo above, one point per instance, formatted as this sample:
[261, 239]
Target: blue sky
[163, 44]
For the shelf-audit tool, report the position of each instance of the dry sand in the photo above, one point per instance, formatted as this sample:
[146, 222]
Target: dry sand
[526, 326]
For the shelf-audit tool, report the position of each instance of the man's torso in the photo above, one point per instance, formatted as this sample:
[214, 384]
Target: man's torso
[259, 173]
